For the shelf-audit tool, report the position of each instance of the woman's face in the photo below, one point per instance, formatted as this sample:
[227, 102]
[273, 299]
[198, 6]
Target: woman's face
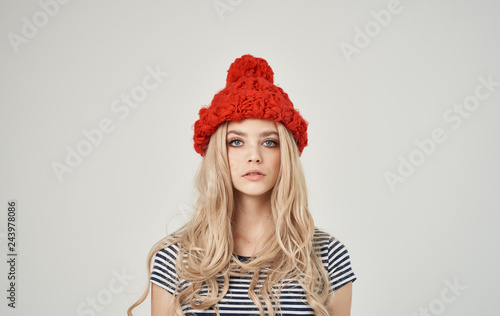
[253, 151]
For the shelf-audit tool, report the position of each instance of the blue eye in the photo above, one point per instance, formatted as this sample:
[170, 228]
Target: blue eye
[238, 143]
[271, 143]
[232, 142]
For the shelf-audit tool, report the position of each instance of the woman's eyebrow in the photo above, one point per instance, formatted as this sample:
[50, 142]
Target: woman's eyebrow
[263, 134]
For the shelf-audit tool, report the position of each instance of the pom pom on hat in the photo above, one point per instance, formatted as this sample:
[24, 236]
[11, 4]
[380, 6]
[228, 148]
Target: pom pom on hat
[249, 66]
[249, 93]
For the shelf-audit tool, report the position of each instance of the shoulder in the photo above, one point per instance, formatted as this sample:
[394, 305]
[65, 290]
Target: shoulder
[167, 248]
[327, 245]
[323, 240]
[168, 253]
[164, 272]
[335, 257]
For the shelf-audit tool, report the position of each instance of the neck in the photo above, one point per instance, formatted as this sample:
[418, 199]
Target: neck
[252, 223]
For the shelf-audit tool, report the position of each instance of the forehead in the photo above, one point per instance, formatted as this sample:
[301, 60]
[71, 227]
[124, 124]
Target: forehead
[251, 125]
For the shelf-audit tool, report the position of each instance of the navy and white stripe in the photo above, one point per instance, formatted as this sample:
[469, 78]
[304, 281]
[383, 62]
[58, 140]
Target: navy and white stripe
[292, 299]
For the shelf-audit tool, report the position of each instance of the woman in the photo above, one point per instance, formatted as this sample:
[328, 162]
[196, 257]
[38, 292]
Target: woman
[251, 246]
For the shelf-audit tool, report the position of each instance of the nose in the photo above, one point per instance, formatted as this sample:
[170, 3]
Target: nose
[254, 158]
[254, 155]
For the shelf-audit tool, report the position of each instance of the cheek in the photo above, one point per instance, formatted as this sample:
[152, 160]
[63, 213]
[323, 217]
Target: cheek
[277, 163]
[233, 163]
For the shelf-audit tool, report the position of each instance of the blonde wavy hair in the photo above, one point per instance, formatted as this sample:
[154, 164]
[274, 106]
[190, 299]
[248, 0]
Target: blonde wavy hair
[206, 241]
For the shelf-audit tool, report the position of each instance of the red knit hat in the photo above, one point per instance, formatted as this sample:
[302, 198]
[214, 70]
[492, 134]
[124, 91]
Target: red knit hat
[249, 93]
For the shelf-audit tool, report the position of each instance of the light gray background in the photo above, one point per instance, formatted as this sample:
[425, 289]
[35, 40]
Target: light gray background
[76, 235]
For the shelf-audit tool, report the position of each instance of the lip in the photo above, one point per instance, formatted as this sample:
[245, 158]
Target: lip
[253, 175]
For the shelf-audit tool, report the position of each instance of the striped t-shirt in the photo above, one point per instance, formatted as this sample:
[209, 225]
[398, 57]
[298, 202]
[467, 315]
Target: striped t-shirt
[292, 299]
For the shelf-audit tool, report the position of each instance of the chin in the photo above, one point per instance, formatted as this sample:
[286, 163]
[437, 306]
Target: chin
[253, 193]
